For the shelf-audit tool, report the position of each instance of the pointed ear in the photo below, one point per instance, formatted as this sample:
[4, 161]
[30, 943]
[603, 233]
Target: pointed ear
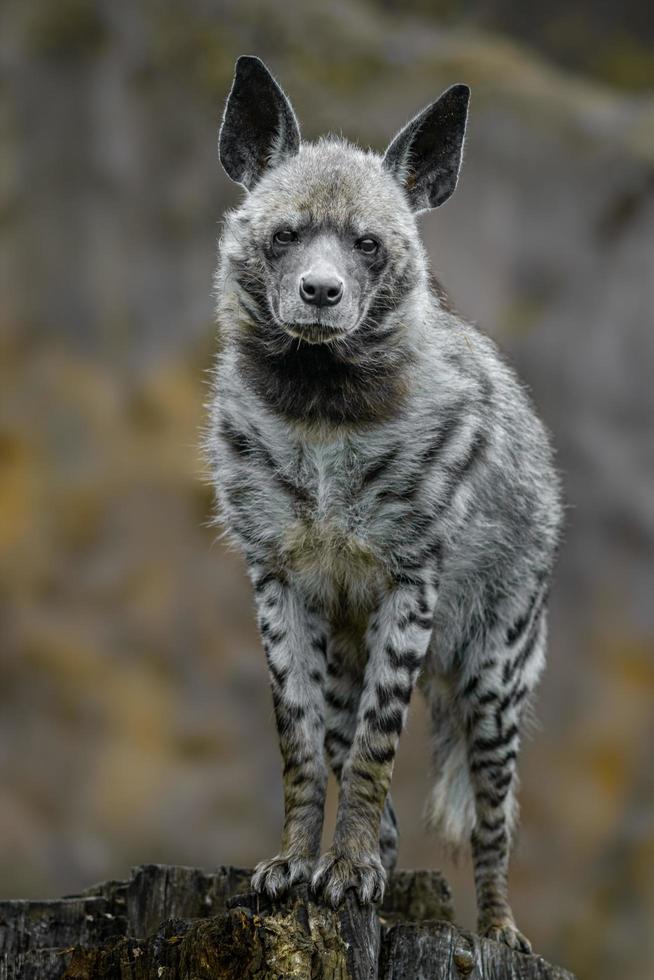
[425, 156]
[259, 128]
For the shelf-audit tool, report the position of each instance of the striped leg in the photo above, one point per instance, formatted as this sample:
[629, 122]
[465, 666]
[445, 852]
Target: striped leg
[494, 704]
[295, 642]
[344, 684]
[397, 640]
[389, 835]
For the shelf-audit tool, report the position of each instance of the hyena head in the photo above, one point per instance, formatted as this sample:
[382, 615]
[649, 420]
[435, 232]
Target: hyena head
[325, 243]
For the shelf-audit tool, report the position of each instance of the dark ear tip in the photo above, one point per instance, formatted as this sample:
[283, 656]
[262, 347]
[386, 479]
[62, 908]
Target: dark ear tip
[460, 91]
[249, 64]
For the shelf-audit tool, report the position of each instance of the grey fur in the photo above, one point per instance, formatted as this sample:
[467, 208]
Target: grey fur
[393, 493]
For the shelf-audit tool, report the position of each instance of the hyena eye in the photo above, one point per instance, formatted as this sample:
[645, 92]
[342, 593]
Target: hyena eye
[285, 236]
[367, 245]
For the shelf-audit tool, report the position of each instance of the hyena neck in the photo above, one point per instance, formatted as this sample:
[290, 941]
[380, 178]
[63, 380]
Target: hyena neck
[324, 385]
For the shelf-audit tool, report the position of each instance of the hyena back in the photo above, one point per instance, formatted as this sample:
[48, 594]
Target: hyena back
[390, 486]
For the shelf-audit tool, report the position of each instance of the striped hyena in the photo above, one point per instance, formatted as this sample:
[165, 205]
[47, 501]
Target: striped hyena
[391, 488]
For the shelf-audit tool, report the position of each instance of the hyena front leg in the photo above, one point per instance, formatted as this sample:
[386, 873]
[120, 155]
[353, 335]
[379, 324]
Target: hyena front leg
[295, 641]
[343, 687]
[396, 641]
[494, 701]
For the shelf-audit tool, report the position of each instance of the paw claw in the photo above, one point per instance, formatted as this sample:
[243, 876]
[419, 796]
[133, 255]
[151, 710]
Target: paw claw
[508, 933]
[275, 877]
[337, 873]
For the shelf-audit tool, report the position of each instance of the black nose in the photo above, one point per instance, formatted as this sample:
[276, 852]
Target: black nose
[321, 290]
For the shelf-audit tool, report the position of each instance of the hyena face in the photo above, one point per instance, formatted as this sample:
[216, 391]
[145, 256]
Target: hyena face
[326, 240]
[322, 243]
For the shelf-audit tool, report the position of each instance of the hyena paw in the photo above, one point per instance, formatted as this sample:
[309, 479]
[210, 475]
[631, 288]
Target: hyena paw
[336, 873]
[275, 877]
[506, 931]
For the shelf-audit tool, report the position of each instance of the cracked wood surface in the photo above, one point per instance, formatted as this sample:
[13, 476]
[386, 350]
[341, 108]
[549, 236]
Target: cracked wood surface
[175, 923]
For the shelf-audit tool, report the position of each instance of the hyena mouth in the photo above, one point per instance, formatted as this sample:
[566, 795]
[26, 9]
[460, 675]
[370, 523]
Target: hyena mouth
[314, 333]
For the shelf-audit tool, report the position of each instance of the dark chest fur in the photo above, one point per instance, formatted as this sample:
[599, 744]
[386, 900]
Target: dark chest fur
[315, 384]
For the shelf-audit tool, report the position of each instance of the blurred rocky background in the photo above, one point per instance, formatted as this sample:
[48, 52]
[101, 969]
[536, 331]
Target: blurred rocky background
[135, 718]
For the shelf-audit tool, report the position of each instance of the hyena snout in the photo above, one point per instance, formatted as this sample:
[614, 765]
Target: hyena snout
[321, 288]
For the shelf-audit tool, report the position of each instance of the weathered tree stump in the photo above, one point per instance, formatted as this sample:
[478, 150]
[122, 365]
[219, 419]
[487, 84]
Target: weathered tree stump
[171, 923]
